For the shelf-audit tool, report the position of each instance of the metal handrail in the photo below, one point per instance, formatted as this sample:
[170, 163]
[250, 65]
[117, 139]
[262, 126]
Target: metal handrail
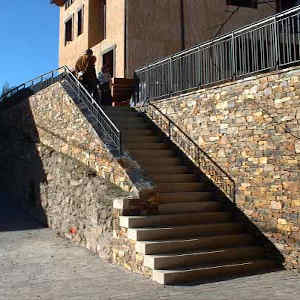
[200, 158]
[103, 121]
[221, 37]
[268, 44]
[28, 83]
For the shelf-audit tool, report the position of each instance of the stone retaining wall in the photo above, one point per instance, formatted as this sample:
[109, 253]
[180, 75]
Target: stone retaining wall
[58, 190]
[251, 128]
[54, 117]
[64, 173]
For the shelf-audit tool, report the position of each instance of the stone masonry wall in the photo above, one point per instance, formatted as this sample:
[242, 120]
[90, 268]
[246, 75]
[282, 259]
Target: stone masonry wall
[59, 191]
[65, 174]
[251, 128]
[65, 125]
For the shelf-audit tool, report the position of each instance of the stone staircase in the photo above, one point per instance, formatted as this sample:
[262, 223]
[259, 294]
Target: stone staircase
[193, 236]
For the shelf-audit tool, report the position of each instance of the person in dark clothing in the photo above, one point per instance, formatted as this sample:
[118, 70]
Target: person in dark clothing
[104, 79]
[86, 73]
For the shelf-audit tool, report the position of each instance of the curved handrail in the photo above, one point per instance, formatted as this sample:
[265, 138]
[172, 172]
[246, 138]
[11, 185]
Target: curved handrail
[200, 158]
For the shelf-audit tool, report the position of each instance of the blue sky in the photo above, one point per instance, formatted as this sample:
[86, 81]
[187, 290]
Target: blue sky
[29, 39]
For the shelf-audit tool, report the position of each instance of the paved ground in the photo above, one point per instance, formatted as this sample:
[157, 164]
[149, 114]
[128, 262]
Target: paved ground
[36, 264]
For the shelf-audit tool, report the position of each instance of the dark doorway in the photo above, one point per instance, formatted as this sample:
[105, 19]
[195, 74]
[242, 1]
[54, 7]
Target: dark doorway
[108, 60]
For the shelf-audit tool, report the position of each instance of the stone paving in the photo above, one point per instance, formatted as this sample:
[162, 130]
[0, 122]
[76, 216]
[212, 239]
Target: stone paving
[37, 264]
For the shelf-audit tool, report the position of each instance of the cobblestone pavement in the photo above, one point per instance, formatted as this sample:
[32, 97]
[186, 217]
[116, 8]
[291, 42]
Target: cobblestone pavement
[36, 264]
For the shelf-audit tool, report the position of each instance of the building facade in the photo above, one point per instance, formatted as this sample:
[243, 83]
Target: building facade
[126, 34]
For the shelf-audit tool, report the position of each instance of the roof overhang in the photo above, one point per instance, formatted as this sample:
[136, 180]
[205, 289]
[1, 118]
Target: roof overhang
[58, 2]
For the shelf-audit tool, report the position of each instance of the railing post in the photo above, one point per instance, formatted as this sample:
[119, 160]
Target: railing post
[171, 77]
[233, 70]
[276, 42]
[198, 69]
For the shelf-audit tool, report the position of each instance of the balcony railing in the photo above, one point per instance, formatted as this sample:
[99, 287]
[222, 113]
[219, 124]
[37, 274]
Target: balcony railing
[266, 45]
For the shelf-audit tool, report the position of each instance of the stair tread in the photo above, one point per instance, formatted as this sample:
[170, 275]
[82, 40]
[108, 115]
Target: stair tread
[183, 183]
[175, 215]
[203, 251]
[190, 203]
[162, 227]
[162, 232]
[174, 197]
[193, 239]
[183, 193]
[184, 207]
[216, 265]
[175, 178]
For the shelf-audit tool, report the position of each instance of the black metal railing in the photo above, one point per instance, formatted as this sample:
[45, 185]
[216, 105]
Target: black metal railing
[200, 158]
[34, 84]
[271, 43]
[63, 74]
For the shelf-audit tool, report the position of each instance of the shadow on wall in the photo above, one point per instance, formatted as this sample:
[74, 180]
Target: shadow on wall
[21, 168]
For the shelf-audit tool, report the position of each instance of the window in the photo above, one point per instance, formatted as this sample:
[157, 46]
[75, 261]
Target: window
[243, 3]
[286, 4]
[68, 30]
[104, 19]
[68, 3]
[80, 21]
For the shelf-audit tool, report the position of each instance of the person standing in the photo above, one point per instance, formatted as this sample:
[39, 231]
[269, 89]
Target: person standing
[104, 79]
[86, 73]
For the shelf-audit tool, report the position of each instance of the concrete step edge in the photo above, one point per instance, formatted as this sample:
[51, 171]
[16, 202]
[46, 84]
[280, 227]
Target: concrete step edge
[143, 246]
[207, 272]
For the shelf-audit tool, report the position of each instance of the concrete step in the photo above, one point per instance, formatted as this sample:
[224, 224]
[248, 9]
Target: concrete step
[185, 231]
[184, 207]
[214, 271]
[135, 145]
[181, 187]
[138, 132]
[118, 112]
[150, 153]
[160, 161]
[184, 197]
[141, 139]
[175, 219]
[174, 169]
[129, 125]
[119, 109]
[210, 242]
[174, 178]
[214, 256]
[126, 119]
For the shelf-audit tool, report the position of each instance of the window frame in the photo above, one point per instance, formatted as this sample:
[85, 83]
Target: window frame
[68, 3]
[80, 12]
[69, 34]
[104, 19]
